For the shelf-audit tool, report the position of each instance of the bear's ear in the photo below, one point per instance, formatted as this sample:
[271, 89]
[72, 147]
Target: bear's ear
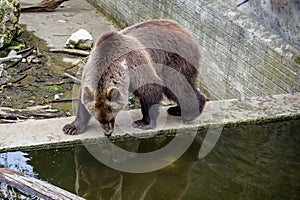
[113, 93]
[87, 95]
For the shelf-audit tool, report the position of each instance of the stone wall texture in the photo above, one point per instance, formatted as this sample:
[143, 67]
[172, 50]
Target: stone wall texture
[280, 16]
[9, 18]
[240, 57]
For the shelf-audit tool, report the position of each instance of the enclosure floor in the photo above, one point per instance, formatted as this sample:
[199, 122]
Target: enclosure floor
[34, 133]
[56, 27]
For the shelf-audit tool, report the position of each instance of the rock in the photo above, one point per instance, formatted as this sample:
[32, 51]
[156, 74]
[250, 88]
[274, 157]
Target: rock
[33, 59]
[9, 18]
[3, 75]
[12, 53]
[80, 40]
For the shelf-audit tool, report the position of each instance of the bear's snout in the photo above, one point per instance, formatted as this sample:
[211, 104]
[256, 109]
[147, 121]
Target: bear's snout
[108, 127]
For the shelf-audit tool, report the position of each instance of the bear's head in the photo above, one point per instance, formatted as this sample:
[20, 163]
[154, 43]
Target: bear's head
[104, 105]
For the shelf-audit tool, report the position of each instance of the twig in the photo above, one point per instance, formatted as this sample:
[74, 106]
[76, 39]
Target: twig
[77, 52]
[75, 80]
[7, 121]
[8, 58]
[24, 50]
[18, 79]
[63, 35]
[19, 60]
[63, 100]
[245, 1]
[47, 83]
[10, 85]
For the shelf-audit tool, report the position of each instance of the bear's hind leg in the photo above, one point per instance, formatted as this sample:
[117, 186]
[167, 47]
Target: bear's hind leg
[190, 113]
[150, 98]
[175, 111]
[149, 117]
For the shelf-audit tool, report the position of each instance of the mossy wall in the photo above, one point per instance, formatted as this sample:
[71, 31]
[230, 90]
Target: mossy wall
[240, 57]
[9, 18]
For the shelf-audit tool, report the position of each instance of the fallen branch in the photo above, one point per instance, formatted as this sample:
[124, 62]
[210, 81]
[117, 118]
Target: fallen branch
[76, 52]
[9, 58]
[36, 112]
[11, 85]
[18, 79]
[19, 60]
[33, 186]
[75, 80]
[47, 83]
[43, 6]
[9, 121]
[63, 100]
[24, 50]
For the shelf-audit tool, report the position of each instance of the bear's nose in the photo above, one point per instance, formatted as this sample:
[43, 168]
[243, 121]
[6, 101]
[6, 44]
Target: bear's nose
[108, 127]
[107, 132]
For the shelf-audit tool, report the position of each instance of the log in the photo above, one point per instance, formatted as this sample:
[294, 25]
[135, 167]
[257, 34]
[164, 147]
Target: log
[43, 6]
[9, 58]
[33, 186]
[76, 52]
[37, 112]
[9, 121]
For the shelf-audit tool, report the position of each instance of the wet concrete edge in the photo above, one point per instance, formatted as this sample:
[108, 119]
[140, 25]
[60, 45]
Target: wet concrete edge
[47, 133]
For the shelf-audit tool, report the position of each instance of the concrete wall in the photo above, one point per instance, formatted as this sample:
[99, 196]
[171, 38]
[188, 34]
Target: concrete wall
[240, 58]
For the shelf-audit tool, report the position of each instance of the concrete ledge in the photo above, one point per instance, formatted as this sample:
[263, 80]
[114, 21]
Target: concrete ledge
[47, 133]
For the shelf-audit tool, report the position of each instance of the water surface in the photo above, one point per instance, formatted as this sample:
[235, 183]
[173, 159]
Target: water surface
[248, 162]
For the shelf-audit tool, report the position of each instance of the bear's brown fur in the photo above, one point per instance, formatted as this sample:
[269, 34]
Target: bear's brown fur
[149, 59]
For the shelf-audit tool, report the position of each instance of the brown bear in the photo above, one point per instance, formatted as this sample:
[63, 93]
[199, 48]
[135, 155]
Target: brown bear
[150, 59]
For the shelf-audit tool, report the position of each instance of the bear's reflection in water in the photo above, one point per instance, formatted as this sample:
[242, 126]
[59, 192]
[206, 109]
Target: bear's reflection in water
[94, 180]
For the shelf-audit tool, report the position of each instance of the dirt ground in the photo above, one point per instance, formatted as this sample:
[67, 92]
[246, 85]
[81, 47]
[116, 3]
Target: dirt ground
[44, 83]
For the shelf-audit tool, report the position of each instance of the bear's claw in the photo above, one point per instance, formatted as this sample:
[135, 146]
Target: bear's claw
[70, 129]
[143, 125]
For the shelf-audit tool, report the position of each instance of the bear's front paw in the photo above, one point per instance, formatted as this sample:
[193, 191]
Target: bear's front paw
[143, 125]
[70, 129]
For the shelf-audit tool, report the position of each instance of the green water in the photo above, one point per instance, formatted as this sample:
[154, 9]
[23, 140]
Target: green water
[249, 162]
